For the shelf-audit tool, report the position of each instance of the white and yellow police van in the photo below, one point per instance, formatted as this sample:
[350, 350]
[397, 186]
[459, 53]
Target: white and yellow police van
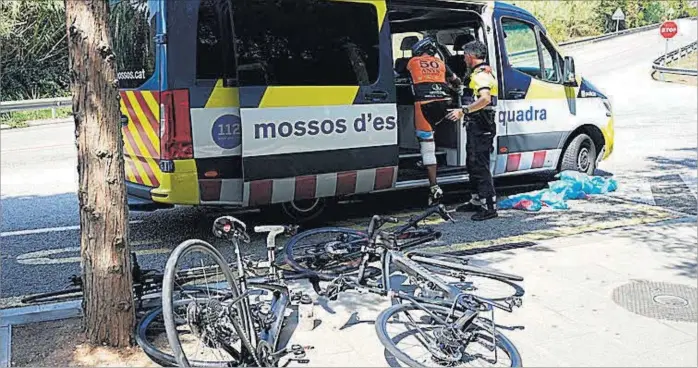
[292, 103]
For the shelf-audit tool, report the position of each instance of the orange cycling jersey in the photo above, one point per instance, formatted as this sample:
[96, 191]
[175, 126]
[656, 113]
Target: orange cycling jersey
[429, 75]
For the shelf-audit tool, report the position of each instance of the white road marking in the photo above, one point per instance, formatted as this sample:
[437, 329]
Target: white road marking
[49, 230]
[43, 257]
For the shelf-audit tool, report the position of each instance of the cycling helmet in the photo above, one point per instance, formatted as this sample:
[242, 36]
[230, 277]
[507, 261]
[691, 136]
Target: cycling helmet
[426, 45]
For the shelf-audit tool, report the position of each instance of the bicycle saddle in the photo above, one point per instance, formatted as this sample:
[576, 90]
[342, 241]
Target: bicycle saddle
[228, 227]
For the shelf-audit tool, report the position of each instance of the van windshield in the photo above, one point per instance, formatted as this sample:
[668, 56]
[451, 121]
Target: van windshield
[132, 26]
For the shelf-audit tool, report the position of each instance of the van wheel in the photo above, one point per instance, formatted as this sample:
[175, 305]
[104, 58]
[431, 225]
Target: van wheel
[580, 155]
[304, 210]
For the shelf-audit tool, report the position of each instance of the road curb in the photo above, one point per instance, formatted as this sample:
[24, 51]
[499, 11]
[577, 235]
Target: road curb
[32, 314]
[35, 123]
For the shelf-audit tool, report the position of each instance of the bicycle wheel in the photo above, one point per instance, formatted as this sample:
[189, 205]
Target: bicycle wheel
[440, 344]
[151, 334]
[325, 252]
[204, 315]
[472, 279]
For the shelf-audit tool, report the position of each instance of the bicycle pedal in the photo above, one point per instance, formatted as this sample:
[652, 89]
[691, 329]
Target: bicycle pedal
[301, 361]
[296, 296]
[306, 299]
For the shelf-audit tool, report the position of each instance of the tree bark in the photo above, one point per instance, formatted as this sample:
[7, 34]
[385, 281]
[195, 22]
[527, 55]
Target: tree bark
[106, 265]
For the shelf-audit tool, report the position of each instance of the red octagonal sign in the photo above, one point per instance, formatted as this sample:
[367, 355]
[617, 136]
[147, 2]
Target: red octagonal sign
[668, 29]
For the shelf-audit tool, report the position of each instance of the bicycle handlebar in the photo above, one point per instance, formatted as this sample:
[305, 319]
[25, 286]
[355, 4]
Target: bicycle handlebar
[378, 221]
[439, 209]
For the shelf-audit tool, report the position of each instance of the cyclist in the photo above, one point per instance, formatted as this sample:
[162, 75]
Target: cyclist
[430, 78]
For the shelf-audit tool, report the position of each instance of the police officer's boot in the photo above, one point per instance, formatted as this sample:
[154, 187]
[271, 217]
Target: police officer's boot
[489, 210]
[474, 205]
[435, 195]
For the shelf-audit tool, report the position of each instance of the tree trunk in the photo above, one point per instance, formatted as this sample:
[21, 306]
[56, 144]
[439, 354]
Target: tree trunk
[106, 264]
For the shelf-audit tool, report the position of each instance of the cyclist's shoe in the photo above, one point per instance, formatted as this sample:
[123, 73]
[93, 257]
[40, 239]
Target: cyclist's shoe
[470, 207]
[435, 195]
[489, 211]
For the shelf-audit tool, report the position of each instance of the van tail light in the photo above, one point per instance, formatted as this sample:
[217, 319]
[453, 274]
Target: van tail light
[175, 128]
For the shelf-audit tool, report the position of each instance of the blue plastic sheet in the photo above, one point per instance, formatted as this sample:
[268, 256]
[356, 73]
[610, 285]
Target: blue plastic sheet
[571, 185]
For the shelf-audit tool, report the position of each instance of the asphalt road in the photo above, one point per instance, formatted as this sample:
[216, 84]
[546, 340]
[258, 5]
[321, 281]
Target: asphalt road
[654, 161]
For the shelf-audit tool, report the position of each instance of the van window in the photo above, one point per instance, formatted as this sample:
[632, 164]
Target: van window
[306, 42]
[215, 53]
[133, 28]
[551, 60]
[521, 47]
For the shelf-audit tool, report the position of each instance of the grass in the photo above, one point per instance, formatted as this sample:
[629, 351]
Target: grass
[20, 119]
[688, 62]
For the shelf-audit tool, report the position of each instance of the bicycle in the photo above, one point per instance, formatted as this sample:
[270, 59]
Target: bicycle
[341, 251]
[324, 259]
[221, 312]
[452, 320]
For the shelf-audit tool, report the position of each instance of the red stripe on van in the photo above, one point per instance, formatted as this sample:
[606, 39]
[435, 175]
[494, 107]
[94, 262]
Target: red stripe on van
[210, 189]
[260, 192]
[384, 178]
[513, 161]
[538, 159]
[346, 183]
[305, 187]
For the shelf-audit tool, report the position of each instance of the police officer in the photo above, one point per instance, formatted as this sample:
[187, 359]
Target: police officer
[481, 129]
[430, 78]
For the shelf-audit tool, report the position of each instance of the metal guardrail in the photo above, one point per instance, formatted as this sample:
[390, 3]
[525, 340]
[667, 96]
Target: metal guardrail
[659, 64]
[38, 104]
[616, 34]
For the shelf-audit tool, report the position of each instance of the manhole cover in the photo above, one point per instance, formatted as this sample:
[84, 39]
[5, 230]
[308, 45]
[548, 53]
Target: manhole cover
[659, 300]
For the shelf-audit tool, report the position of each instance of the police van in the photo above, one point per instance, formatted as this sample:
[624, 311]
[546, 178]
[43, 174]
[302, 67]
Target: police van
[291, 104]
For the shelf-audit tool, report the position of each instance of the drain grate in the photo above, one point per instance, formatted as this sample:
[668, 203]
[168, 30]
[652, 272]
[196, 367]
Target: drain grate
[659, 300]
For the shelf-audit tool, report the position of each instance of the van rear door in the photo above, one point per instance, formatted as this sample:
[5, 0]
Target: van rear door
[317, 99]
[134, 25]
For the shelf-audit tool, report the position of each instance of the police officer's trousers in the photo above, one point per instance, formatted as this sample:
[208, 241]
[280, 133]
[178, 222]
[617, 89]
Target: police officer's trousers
[480, 135]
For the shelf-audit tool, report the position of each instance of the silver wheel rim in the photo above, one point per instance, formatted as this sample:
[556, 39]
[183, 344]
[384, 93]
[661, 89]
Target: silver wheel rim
[583, 159]
[298, 205]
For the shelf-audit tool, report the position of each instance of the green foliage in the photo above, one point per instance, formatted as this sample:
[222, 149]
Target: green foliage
[20, 118]
[33, 50]
[570, 19]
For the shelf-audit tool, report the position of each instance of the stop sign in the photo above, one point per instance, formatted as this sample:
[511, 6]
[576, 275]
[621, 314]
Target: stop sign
[668, 29]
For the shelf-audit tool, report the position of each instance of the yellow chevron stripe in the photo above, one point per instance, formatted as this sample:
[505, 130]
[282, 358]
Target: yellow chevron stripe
[131, 152]
[141, 144]
[308, 96]
[223, 96]
[155, 109]
[151, 135]
[130, 175]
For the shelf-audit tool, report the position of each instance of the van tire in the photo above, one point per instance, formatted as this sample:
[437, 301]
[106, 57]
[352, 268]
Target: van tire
[580, 155]
[303, 211]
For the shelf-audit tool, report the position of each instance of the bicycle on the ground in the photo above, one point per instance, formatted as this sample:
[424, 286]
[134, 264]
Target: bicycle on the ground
[451, 317]
[348, 251]
[230, 318]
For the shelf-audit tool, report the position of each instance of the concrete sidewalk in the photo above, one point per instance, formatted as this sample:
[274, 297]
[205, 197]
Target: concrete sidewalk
[577, 309]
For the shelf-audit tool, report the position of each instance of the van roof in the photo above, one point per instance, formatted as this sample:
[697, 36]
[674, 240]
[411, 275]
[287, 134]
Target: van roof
[499, 5]
[511, 7]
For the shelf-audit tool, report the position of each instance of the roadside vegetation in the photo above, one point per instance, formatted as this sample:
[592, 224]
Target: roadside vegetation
[20, 119]
[34, 47]
[690, 61]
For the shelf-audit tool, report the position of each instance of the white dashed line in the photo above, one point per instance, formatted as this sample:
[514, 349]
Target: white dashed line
[49, 230]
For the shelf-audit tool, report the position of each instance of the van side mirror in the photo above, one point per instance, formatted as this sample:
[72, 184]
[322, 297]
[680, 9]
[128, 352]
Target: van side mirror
[570, 77]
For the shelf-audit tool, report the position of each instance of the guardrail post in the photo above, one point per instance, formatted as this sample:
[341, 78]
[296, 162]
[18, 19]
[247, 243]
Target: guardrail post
[53, 112]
